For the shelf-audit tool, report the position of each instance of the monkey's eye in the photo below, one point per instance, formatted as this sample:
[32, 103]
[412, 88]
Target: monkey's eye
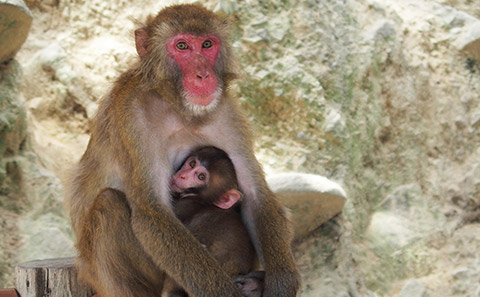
[192, 163]
[207, 44]
[182, 46]
[202, 176]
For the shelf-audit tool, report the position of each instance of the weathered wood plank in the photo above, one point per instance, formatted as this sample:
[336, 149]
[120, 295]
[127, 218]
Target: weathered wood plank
[51, 277]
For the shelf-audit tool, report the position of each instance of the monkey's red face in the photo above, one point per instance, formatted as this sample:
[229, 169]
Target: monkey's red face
[192, 174]
[196, 57]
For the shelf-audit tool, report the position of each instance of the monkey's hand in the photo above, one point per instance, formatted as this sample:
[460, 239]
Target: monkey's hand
[251, 285]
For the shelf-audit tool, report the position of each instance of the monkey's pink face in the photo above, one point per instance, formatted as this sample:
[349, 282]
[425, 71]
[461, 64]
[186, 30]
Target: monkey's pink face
[192, 174]
[196, 57]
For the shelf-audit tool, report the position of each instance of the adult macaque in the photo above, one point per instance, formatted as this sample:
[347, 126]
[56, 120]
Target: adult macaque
[205, 193]
[174, 98]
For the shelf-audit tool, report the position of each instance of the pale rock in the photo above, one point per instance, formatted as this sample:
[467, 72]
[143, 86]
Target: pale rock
[469, 41]
[312, 199]
[278, 27]
[227, 6]
[461, 273]
[472, 179]
[46, 237]
[15, 23]
[460, 122]
[382, 29]
[301, 135]
[413, 288]
[403, 197]
[388, 229]
[452, 18]
[376, 6]
[475, 122]
[256, 35]
[334, 121]
[53, 58]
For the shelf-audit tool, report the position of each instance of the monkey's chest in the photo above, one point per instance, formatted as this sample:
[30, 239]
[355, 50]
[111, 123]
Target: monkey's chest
[182, 139]
[180, 142]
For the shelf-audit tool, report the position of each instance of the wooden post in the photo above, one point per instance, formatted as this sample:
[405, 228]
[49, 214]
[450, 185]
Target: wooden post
[8, 293]
[50, 278]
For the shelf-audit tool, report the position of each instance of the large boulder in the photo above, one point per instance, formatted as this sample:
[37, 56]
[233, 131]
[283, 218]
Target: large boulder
[469, 41]
[312, 199]
[15, 22]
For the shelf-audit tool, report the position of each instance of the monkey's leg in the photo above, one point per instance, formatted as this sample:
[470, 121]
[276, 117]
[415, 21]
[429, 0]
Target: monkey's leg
[110, 258]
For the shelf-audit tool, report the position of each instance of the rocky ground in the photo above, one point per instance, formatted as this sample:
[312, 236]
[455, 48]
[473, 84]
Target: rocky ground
[380, 96]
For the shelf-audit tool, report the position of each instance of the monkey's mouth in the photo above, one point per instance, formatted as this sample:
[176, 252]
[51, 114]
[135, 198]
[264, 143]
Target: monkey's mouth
[203, 100]
[201, 104]
[200, 89]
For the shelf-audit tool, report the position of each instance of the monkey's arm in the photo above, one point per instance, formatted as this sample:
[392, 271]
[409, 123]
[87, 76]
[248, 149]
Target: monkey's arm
[265, 218]
[178, 253]
[272, 234]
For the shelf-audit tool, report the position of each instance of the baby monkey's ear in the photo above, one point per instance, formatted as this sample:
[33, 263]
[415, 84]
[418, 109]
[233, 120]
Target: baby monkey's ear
[228, 199]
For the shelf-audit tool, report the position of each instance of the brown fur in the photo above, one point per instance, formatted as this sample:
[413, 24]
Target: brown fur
[140, 132]
[221, 231]
[222, 173]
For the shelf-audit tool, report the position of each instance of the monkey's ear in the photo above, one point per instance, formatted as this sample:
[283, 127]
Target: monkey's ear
[141, 41]
[228, 199]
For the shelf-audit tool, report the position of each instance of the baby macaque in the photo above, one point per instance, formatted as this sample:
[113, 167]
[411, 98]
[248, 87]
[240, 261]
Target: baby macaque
[205, 196]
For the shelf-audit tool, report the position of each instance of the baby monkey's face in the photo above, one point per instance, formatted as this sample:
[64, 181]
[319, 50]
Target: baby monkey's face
[192, 174]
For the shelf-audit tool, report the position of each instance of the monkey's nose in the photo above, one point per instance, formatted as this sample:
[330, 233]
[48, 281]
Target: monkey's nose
[202, 76]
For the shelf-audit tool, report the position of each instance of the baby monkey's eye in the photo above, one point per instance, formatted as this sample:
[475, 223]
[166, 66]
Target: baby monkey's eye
[192, 163]
[201, 176]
